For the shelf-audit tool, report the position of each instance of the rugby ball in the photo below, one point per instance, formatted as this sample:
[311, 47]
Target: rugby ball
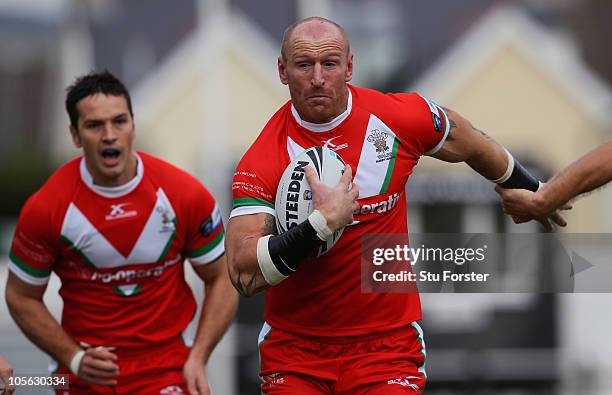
[294, 202]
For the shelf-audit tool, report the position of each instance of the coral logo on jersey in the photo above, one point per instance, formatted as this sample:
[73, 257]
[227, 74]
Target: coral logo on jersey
[378, 138]
[405, 382]
[117, 212]
[334, 147]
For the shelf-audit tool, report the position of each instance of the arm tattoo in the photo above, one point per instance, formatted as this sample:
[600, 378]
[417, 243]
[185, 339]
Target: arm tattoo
[246, 283]
[245, 288]
[269, 225]
[453, 125]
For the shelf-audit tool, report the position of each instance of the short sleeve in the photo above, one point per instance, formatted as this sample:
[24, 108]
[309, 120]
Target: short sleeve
[206, 237]
[254, 184]
[33, 252]
[426, 123]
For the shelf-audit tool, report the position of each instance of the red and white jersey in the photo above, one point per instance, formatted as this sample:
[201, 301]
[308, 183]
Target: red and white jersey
[119, 252]
[382, 137]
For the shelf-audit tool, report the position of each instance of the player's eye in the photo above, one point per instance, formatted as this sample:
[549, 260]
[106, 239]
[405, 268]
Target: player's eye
[92, 125]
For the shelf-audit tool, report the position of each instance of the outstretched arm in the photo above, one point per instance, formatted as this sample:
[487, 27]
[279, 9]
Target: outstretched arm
[588, 173]
[465, 143]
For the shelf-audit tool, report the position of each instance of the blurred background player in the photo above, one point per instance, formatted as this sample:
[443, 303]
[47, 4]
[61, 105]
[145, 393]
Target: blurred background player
[591, 171]
[116, 225]
[322, 335]
[6, 371]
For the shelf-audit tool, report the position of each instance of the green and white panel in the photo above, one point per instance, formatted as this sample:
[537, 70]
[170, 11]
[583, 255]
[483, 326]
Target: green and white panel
[377, 159]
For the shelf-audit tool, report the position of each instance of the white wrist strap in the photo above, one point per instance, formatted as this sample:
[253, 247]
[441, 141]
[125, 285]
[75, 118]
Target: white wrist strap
[319, 223]
[268, 269]
[75, 363]
[509, 169]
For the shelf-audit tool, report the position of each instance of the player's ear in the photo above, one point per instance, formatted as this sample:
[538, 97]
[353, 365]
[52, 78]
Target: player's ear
[76, 139]
[282, 71]
[349, 68]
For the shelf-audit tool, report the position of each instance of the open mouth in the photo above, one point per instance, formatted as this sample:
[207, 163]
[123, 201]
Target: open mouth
[110, 153]
[110, 156]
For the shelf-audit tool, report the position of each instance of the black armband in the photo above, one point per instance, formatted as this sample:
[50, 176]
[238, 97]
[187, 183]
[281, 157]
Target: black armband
[279, 256]
[517, 177]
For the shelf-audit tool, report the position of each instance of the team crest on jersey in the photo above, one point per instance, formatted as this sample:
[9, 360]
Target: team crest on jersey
[307, 195]
[379, 138]
[167, 223]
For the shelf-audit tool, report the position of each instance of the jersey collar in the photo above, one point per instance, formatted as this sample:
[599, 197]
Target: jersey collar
[112, 192]
[324, 127]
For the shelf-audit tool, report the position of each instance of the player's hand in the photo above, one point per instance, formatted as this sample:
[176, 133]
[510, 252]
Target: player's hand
[194, 372]
[99, 366]
[6, 371]
[520, 203]
[337, 203]
[524, 205]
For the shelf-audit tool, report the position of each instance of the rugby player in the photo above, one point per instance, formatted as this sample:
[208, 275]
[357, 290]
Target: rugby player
[321, 334]
[116, 226]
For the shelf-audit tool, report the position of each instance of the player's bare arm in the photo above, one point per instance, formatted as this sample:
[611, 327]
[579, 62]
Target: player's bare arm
[588, 173]
[25, 303]
[218, 311]
[6, 371]
[241, 238]
[466, 143]
[336, 205]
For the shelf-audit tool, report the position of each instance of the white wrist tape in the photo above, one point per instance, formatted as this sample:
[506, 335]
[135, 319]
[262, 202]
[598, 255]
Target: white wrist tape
[268, 269]
[75, 363]
[509, 169]
[319, 223]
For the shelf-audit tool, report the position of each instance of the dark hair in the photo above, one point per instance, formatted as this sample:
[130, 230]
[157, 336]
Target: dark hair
[95, 82]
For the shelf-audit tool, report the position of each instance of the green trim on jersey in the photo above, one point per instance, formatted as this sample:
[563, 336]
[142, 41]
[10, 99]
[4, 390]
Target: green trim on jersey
[421, 367]
[391, 166]
[206, 248]
[41, 273]
[241, 202]
[164, 252]
[74, 248]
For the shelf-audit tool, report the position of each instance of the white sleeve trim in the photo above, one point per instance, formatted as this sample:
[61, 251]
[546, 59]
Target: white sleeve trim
[211, 255]
[16, 270]
[443, 139]
[246, 210]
